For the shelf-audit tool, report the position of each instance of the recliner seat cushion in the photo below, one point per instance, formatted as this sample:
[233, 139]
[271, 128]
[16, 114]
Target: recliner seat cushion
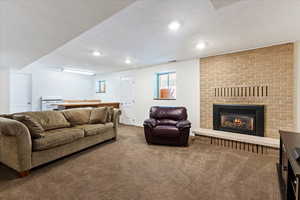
[166, 131]
[78, 116]
[56, 138]
[49, 120]
[168, 122]
[94, 129]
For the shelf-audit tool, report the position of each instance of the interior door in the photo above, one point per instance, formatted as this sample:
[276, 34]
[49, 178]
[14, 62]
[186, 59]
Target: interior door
[21, 92]
[127, 99]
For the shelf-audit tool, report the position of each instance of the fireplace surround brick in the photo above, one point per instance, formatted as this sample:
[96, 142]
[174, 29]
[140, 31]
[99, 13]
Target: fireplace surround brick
[269, 66]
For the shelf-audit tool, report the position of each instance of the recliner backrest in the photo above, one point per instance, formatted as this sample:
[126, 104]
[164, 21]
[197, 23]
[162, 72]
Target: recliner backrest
[171, 113]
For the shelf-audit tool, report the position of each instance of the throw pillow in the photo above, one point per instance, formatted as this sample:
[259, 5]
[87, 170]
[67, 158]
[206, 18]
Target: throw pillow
[98, 116]
[33, 126]
[7, 116]
[49, 120]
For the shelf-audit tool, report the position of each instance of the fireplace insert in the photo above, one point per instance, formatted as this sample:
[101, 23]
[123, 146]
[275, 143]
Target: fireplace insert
[244, 119]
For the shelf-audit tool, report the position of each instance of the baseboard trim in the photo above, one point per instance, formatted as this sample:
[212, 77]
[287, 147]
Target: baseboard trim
[131, 125]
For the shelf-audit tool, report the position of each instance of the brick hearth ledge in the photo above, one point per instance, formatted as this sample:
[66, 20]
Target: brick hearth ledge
[262, 141]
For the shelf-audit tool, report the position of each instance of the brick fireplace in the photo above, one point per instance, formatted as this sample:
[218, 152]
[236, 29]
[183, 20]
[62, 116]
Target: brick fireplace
[256, 77]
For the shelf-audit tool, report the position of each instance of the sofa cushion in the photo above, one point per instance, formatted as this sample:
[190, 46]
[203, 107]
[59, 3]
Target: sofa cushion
[78, 116]
[56, 138]
[94, 129]
[98, 115]
[49, 120]
[110, 113]
[33, 125]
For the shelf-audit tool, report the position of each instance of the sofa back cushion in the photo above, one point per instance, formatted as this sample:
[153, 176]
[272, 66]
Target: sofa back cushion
[49, 120]
[78, 116]
[98, 115]
[33, 125]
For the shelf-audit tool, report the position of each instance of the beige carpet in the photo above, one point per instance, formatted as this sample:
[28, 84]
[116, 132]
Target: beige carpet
[129, 169]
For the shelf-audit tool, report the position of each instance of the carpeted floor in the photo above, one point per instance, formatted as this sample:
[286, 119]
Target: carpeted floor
[129, 169]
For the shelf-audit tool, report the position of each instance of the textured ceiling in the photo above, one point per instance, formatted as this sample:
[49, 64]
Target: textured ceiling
[140, 32]
[30, 29]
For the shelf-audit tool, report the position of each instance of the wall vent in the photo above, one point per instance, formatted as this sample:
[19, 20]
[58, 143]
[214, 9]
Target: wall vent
[242, 91]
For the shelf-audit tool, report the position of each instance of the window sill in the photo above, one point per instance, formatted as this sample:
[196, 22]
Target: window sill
[162, 99]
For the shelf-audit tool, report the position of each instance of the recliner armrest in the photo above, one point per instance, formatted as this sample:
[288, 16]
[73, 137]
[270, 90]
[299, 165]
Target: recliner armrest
[183, 124]
[151, 123]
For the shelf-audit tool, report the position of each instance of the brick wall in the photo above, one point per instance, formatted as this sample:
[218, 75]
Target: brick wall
[270, 67]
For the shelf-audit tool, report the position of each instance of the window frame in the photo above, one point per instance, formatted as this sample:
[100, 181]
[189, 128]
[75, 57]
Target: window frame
[157, 92]
[100, 82]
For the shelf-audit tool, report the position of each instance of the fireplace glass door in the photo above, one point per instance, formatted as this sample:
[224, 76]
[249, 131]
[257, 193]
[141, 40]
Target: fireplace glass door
[237, 121]
[244, 119]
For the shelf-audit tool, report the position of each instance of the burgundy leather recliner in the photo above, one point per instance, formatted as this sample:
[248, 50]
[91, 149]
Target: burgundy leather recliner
[167, 125]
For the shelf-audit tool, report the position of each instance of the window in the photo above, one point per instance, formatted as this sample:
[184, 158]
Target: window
[101, 86]
[165, 86]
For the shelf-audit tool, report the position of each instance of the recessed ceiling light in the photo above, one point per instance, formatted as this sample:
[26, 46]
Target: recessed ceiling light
[128, 61]
[97, 53]
[174, 26]
[201, 45]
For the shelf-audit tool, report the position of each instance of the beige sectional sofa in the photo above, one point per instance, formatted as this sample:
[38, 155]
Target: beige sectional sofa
[31, 139]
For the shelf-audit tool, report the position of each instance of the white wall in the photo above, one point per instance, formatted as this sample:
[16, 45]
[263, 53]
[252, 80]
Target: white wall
[53, 82]
[297, 85]
[48, 82]
[188, 89]
[4, 91]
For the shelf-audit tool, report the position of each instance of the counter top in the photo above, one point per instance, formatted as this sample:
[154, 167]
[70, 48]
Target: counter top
[63, 106]
[85, 103]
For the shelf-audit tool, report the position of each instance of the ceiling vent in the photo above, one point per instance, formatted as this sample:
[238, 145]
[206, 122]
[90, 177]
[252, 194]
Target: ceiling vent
[218, 4]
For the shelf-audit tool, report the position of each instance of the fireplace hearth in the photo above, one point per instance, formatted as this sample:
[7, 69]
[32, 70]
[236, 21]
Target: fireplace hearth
[244, 119]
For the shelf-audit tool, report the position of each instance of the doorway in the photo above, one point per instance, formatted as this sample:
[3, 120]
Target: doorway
[127, 99]
[20, 92]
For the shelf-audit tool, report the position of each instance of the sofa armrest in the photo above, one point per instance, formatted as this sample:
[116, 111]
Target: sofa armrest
[15, 145]
[116, 117]
[183, 124]
[151, 123]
